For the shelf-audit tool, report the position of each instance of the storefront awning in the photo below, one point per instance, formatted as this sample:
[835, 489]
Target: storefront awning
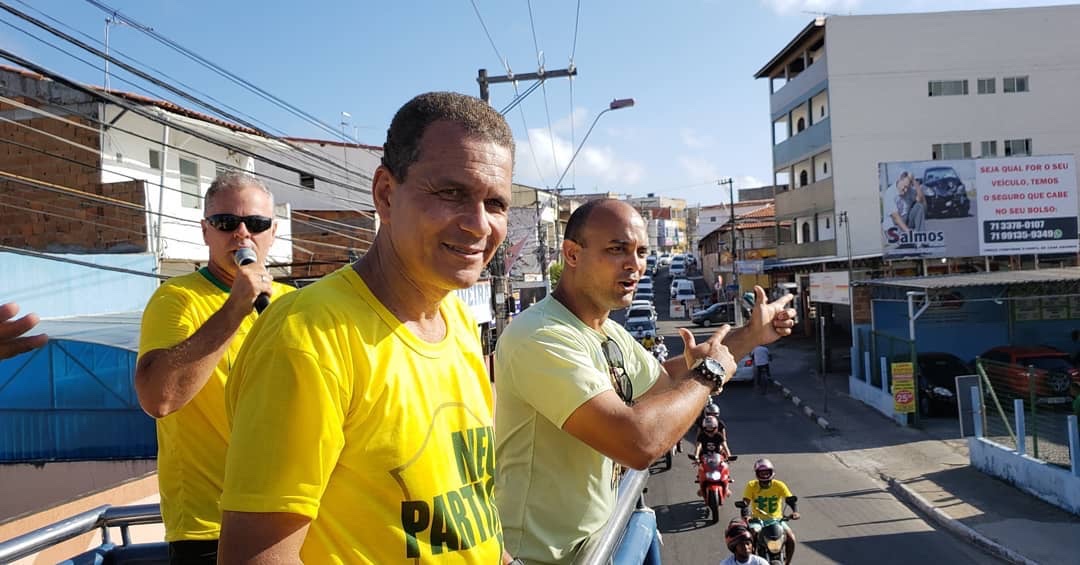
[995, 278]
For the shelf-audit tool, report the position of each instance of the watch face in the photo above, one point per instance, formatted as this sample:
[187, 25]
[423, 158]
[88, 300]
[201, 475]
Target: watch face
[714, 366]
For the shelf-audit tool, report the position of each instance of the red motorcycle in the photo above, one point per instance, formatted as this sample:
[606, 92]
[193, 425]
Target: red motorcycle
[715, 480]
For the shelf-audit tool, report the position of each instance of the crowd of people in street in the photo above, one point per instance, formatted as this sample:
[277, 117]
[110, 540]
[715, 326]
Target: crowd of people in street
[353, 419]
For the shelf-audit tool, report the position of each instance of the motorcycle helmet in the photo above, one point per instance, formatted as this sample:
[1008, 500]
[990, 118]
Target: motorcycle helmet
[763, 470]
[736, 533]
[712, 410]
[710, 424]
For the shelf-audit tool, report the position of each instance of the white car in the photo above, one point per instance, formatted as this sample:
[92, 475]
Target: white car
[744, 372]
[664, 260]
[677, 269]
[639, 313]
[644, 286]
[641, 302]
[685, 294]
[676, 284]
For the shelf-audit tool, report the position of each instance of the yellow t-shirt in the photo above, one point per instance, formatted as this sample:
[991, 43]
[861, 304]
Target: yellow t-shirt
[192, 440]
[339, 413]
[767, 503]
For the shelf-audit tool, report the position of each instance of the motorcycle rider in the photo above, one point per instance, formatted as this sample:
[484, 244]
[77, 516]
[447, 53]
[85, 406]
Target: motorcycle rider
[767, 496]
[648, 341]
[659, 349]
[740, 542]
[709, 440]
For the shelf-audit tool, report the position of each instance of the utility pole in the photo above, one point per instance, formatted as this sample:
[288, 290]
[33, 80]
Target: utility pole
[737, 302]
[500, 288]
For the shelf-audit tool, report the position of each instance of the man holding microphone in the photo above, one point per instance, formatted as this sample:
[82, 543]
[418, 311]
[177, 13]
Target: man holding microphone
[192, 330]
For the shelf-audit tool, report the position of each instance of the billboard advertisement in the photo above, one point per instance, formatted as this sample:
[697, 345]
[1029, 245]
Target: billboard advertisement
[969, 207]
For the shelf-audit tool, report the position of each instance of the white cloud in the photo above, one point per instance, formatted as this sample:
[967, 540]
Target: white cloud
[595, 163]
[693, 140]
[789, 7]
[699, 168]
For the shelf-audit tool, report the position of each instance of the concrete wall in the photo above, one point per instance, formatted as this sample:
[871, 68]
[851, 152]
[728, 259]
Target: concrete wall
[1051, 483]
[878, 399]
[879, 67]
[30, 488]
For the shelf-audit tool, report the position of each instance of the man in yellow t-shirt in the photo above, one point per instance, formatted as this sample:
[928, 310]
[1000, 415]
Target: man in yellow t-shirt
[361, 410]
[765, 497]
[192, 330]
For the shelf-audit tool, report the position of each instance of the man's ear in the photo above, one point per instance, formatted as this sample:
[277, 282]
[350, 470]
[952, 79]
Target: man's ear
[571, 252]
[383, 184]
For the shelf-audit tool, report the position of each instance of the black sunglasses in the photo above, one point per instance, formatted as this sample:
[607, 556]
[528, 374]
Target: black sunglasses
[619, 379]
[229, 222]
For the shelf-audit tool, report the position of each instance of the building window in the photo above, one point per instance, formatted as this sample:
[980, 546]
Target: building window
[989, 149]
[1017, 147]
[190, 193]
[822, 115]
[827, 225]
[221, 168]
[987, 85]
[825, 167]
[1014, 84]
[800, 125]
[803, 178]
[950, 151]
[805, 232]
[948, 87]
[155, 160]
[307, 181]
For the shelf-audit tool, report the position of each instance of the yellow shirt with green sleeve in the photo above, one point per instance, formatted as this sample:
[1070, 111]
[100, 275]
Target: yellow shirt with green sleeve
[193, 439]
[341, 414]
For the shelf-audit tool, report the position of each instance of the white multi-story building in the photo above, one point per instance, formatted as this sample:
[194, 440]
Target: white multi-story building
[856, 91]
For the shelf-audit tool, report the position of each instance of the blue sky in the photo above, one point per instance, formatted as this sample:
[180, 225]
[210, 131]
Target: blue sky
[689, 64]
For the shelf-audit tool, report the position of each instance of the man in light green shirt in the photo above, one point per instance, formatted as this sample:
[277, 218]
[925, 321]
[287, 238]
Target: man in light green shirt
[576, 396]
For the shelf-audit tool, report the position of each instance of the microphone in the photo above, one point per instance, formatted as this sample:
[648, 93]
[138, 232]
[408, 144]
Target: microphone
[247, 256]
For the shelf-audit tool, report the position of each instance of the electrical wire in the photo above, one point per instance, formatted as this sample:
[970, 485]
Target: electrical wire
[152, 116]
[95, 151]
[233, 77]
[543, 87]
[153, 80]
[486, 32]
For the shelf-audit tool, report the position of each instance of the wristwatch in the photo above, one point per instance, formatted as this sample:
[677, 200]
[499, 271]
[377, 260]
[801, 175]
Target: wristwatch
[711, 371]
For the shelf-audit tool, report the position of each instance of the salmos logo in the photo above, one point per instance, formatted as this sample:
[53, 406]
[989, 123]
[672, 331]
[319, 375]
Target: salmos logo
[458, 519]
[896, 235]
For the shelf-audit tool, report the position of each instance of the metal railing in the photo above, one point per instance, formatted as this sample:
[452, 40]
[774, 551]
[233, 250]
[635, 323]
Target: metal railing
[605, 543]
[1039, 397]
[103, 517]
[598, 551]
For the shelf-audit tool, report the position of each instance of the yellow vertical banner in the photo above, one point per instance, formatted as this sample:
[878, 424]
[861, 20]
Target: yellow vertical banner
[903, 388]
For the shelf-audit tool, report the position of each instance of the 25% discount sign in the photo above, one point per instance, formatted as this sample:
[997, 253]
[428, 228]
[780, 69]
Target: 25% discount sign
[903, 388]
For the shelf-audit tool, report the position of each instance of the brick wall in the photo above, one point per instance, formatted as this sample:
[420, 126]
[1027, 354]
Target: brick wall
[41, 219]
[352, 230]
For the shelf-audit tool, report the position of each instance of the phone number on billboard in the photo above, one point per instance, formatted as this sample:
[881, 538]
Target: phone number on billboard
[1049, 229]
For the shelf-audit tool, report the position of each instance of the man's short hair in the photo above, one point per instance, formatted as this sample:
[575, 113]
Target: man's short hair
[402, 147]
[233, 180]
[575, 226]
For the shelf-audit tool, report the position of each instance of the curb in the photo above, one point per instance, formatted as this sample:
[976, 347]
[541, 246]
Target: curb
[939, 517]
[810, 413]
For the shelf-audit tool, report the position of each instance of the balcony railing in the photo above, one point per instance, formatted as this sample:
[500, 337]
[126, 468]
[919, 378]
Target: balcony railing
[799, 89]
[806, 200]
[803, 145]
[823, 248]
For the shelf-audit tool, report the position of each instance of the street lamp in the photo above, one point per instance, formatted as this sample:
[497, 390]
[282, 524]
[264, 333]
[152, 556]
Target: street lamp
[616, 104]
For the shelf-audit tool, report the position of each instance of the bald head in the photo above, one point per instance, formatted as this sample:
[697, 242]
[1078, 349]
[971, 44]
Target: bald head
[602, 212]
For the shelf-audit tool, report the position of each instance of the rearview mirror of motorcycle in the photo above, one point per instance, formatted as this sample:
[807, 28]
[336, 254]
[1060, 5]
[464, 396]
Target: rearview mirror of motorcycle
[733, 458]
[740, 504]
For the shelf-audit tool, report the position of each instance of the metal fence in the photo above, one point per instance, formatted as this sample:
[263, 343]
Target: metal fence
[894, 350]
[1042, 396]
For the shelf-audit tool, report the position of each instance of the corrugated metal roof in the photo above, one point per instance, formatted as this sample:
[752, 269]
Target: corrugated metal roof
[995, 278]
[120, 330]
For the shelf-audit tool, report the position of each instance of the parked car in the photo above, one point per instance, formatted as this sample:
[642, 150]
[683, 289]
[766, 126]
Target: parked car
[744, 372]
[945, 193]
[644, 295]
[719, 313]
[642, 303]
[676, 284]
[677, 268]
[639, 327]
[664, 260]
[937, 374]
[640, 313]
[685, 294]
[1008, 372]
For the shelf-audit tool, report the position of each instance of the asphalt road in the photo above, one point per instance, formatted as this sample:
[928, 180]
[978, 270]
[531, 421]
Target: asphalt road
[848, 516]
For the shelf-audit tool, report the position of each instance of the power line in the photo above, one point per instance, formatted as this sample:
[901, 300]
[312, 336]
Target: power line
[577, 18]
[487, 33]
[156, 143]
[543, 86]
[68, 260]
[573, 55]
[153, 80]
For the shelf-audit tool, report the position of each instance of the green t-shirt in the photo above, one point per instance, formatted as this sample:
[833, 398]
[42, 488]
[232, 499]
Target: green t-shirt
[554, 491]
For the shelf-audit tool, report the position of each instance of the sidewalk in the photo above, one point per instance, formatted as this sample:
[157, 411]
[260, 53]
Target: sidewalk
[928, 468]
